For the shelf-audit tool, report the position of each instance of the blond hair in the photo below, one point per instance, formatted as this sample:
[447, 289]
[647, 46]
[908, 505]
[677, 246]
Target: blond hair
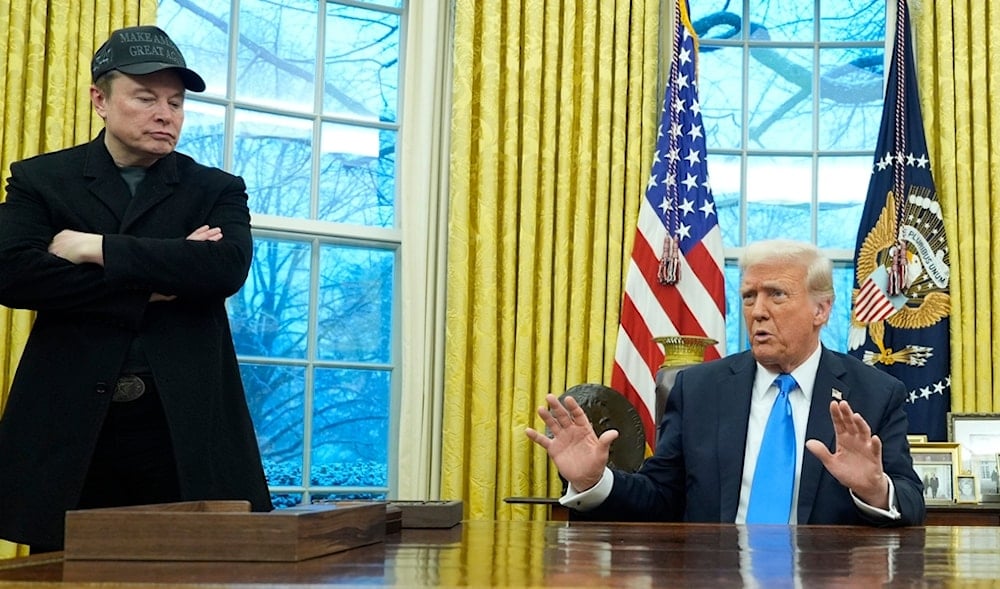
[819, 268]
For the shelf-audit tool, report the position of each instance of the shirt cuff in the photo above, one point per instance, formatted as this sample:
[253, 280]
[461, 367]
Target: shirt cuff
[592, 497]
[892, 513]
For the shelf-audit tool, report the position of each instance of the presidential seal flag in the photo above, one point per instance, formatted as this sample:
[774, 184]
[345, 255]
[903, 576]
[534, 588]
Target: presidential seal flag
[901, 305]
[674, 284]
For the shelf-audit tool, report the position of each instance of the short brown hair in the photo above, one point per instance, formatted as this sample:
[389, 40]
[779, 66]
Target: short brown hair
[104, 82]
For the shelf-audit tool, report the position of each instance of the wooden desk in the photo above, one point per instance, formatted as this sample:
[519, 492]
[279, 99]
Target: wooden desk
[579, 554]
[984, 514]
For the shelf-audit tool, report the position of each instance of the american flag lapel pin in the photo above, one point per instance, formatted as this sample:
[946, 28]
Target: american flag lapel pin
[837, 395]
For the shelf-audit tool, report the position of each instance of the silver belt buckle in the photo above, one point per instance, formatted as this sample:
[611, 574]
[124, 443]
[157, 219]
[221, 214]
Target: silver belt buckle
[128, 388]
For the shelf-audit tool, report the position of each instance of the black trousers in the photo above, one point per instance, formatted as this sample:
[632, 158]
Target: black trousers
[133, 463]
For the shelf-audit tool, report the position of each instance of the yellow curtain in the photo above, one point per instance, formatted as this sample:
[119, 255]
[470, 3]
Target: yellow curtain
[957, 44]
[45, 51]
[553, 122]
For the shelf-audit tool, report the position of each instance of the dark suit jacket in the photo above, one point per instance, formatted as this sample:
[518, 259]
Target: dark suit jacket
[697, 469]
[87, 315]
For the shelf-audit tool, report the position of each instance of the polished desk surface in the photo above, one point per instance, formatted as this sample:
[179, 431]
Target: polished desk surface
[582, 554]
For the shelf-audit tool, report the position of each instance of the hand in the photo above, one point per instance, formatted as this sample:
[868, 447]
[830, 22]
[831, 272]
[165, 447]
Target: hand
[161, 298]
[205, 233]
[78, 247]
[857, 459]
[576, 451]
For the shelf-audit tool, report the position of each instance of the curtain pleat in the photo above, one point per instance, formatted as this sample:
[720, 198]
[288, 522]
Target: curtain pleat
[45, 51]
[957, 48]
[553, 122]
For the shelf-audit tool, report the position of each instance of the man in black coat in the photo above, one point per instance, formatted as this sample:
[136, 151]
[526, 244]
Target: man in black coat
[849, 459]
[128, 391]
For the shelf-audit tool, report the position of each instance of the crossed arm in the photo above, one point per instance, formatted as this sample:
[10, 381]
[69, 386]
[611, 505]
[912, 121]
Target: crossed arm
[83, 248]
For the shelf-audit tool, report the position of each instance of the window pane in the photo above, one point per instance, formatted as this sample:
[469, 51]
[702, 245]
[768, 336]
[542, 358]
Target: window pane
[834, 334]
[726, 188]
[720, 93]
[269, 315]
[852, 20]
[716, 19]
[276, 61]
[203, 135]
[197, 33]
[358, 175]
[778, 198]
[350, 441]
[736, 339]
[275, 396]
[318, 498]
[386, 3]
[781, 106]
[315, 323]
[850, 98]
[362, 63]
[780, 20]
[355, 310]
[273, 154]
[842, 188]
[785, 181]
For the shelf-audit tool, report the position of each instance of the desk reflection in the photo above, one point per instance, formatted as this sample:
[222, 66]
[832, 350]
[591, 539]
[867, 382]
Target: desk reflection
[587, 554]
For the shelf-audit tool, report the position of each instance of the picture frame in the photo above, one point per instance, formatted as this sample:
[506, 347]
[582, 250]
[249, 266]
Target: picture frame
[916, 438]
[967, 488]
[978, 435]
[937, 464]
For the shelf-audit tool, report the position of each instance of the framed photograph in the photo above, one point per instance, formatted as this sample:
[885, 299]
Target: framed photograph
[937, 465]
[978, 434]
[967, 489]
[916, 438]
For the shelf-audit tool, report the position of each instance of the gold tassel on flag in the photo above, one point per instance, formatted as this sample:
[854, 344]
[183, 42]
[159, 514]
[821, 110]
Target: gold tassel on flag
[670, 263]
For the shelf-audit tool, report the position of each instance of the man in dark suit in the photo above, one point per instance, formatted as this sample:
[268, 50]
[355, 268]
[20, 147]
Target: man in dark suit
[128, 391]
[717, 417]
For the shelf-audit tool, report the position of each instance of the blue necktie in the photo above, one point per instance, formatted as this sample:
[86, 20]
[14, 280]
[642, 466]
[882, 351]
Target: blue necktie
[774, 478]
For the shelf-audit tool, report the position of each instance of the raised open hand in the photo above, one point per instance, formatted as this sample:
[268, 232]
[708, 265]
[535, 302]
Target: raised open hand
[572, 444]
[857, 457]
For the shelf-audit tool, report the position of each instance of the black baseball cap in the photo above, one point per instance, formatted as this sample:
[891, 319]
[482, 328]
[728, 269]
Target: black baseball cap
[143, 50]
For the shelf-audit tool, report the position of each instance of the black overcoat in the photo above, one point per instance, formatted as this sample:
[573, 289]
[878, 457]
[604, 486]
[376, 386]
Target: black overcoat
[88, 314]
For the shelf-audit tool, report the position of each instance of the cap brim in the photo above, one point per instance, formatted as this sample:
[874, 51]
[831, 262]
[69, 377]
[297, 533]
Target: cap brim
[192, 81]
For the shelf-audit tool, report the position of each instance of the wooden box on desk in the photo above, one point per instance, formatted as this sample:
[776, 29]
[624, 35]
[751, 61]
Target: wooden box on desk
[429, 514]
[220, 531]
[402, 513]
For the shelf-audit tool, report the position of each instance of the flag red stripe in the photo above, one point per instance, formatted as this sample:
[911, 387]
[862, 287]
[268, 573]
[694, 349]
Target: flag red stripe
[621, 384]
[676, 307]
[642, 338]
[706, 267]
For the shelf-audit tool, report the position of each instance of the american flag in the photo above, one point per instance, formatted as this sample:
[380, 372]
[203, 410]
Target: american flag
[902, 304]
[674, 283]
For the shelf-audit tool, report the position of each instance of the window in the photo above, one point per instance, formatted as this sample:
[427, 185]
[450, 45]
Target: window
[791, 95]
[302, 102]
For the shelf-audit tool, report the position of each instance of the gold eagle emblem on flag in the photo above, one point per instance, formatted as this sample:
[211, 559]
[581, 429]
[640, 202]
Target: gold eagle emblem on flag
[925, 299]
